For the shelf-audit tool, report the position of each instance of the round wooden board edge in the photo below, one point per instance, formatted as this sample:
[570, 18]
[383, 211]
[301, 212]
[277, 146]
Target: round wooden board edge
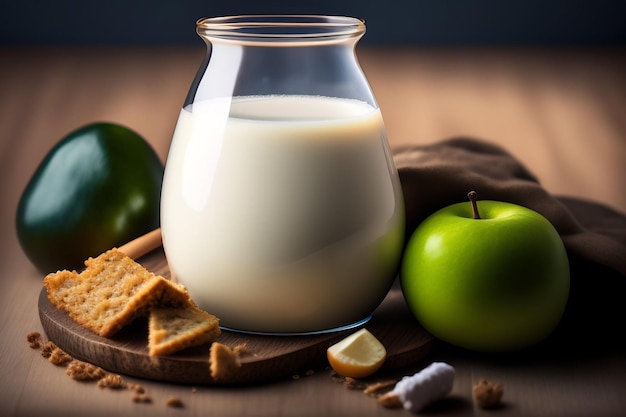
[121, 353]
[127, 353]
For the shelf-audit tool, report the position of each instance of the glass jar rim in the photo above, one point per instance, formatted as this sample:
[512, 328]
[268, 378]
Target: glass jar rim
[280, 29]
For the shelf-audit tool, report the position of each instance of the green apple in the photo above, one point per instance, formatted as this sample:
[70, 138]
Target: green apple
[487, 276]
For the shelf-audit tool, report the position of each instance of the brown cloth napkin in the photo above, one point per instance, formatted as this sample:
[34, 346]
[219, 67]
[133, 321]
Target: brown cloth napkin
[436, 175]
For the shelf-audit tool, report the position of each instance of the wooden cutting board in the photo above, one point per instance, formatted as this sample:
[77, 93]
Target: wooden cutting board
[266, 357]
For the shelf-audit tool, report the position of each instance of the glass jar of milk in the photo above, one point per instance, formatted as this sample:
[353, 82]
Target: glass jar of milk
[281, 208]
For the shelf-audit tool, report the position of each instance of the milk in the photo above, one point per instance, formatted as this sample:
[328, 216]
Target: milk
[282, 213]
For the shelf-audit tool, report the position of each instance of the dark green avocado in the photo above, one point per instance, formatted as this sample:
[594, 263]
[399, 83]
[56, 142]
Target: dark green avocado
[97, 188]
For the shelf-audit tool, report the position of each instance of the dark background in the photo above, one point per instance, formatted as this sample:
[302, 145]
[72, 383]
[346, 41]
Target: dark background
[421, 22]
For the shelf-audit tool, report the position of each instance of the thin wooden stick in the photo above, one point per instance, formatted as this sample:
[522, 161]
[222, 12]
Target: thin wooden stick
[143, 244]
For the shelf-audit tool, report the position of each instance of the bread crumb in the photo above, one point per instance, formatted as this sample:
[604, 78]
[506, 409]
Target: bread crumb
[113, 381]
[353, 383]
[34, 340]
[223, 362]
[59, 357]
[141, 398]
[340, 379]
[138, 389]
[83, 371]
[175, 402]
[303, 374]
[487, 394]
[379, 388]
[372, 390]
[47, 349]
[390, 400]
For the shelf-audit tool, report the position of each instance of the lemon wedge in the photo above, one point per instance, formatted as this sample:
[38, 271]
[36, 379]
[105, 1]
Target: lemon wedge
[358, 355]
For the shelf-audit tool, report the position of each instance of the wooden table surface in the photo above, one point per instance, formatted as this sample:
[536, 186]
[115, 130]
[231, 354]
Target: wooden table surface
[561, 112]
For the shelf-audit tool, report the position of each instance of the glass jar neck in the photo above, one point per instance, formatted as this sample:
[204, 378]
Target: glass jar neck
[281, 30]
[281, 55]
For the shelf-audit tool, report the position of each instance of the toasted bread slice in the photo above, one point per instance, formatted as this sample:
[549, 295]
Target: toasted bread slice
[173, 329]
[111, 292]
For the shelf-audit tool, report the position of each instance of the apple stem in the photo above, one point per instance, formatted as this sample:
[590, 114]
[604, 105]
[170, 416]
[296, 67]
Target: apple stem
[473, 197]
